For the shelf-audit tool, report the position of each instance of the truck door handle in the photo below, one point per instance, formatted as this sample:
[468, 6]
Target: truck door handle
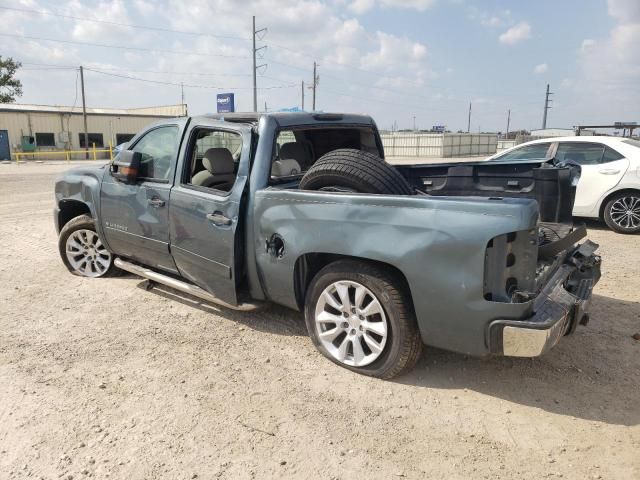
[609, 171]
[156, 202]
[217, 218]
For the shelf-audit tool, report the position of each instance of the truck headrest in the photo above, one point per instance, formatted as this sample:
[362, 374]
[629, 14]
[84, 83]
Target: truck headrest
[294, 151]
[285, 168]
[218, 161]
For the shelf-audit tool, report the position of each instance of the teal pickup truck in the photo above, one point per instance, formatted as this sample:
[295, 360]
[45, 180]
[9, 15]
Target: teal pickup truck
[302, 210]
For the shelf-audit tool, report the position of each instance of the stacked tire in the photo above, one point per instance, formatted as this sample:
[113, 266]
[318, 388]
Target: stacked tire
[350, 170]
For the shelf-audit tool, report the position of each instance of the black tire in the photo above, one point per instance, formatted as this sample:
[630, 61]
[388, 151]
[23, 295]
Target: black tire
[630, 198]
[403, 345]
[82, 222]
[347, 169]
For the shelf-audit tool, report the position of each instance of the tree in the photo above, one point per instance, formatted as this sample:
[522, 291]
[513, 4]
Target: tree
[10, 87]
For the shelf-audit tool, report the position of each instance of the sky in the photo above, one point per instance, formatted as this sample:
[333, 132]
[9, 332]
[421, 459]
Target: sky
[401, 61]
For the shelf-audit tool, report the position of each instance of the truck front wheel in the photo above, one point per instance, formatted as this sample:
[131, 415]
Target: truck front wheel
[82, 250]
[359, 316]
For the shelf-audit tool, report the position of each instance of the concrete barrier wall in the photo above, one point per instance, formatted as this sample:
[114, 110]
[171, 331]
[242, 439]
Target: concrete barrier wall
[438, 144]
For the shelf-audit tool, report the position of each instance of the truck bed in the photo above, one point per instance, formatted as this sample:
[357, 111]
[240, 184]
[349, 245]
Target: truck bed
[552, 186]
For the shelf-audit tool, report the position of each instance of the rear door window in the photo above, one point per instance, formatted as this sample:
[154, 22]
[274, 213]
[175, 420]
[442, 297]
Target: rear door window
[583, 153]
[610, 155]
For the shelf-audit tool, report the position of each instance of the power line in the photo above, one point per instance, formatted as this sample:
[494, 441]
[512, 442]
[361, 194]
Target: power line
[182, 32]
[163, 29]
[120, 24]
[162, 72]
[122, 47]
[179, 84]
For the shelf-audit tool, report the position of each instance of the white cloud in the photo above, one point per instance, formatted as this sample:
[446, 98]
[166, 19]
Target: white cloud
[624, 11]
[516, 34]
[393, 51]
[610, 66]
[541, 68]
[587, 44]
[144, 7]
[420, 5]
[361, 6]
[567, 83]
[491, 20]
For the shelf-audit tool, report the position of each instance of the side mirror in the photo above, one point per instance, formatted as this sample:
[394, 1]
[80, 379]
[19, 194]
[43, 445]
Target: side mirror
[126, 166]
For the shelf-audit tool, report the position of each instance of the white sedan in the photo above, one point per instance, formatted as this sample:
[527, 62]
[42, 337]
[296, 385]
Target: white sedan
[609, 187]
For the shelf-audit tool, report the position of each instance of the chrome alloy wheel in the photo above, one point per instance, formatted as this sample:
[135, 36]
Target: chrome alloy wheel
[86, 253]
[625, 212]
[351, 323]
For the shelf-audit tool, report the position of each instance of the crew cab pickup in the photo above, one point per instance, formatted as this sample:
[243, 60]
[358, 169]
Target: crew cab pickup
[301, 209]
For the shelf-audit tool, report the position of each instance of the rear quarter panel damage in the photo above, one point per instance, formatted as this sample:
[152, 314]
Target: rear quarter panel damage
[437, 243]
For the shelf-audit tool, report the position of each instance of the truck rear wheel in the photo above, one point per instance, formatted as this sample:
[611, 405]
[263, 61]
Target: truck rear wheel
[359, 316]
[82, 250]
[350, 170]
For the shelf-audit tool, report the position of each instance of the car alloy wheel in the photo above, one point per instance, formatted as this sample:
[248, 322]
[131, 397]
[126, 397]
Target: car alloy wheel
[351, 323]
[86, 253]
[625, 212]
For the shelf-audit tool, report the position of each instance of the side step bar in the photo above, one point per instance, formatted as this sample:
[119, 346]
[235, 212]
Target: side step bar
[180, 285]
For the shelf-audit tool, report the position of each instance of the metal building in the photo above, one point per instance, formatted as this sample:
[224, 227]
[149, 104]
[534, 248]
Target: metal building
[29, 128]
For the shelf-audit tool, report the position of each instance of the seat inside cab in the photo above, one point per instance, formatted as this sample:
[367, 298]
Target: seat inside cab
[215, 156]
[297, 150]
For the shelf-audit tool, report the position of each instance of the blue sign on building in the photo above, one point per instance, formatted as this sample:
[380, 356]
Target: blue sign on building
[438, 128]
[226, 102]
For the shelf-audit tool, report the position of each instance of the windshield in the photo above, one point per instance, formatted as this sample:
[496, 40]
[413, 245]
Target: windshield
[635, 143]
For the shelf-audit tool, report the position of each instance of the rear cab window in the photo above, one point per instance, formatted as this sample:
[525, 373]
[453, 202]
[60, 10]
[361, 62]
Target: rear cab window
[296, 150]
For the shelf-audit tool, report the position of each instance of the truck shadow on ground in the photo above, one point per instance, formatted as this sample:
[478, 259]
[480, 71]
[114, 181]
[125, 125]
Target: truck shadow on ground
[270, 318]
[592, 374]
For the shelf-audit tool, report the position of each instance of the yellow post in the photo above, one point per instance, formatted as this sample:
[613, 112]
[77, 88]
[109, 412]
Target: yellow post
[94, 151]
[110, 151]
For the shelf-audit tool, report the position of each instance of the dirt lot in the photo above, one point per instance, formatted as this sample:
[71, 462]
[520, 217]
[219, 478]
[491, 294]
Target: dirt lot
[101, 378]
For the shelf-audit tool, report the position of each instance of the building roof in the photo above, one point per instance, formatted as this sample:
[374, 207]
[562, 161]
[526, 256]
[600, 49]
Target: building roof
[157, 111]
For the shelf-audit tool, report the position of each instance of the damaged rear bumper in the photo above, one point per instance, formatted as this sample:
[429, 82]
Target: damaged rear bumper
[560, 306]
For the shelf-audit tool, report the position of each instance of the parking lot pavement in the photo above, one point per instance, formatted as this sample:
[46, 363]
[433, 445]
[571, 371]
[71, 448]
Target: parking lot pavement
[102, 378]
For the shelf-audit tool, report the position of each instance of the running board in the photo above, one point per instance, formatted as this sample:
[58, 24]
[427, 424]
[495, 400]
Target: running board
[180, 285]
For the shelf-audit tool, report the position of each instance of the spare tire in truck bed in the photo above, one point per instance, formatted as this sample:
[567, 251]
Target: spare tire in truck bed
[350, 170]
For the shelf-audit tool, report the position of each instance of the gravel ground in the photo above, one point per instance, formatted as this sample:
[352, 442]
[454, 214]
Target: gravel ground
[102, 378]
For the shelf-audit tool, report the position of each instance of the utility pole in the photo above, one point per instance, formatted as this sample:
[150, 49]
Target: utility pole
[414, 123]
[302, 95]
[256, 67]
[84, 116]
[469, 120]
[315, 84]
[508, 121]
[546, 107]
[184, 107]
